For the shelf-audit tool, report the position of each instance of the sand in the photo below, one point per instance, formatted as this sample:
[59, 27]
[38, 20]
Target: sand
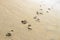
[45, 25]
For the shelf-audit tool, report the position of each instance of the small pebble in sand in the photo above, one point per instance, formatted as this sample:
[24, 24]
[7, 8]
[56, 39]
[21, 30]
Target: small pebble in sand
[49, 9]
[24, 22]
[38, 20]
[12, 30]
[29, 27]
[37, 13]
[35, 17]
[41, 13]
[8, 34]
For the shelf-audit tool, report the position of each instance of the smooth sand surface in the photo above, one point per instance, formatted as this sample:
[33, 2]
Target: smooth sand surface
[45, 27]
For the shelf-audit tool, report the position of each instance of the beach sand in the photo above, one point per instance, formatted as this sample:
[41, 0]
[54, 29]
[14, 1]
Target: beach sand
[42, 20]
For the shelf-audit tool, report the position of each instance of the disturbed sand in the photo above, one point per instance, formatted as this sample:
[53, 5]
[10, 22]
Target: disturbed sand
[29, 20]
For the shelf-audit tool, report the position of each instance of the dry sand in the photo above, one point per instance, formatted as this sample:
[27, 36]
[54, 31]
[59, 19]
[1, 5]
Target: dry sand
[45, 27]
